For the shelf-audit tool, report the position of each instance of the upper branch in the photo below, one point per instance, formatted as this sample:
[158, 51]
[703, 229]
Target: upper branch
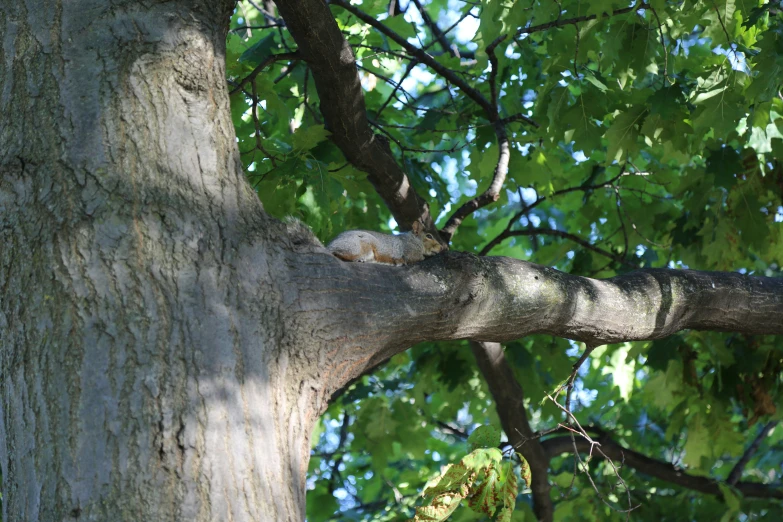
[577, 19]
[493, 191]
[420, 55]
[501, 168]
[333, 66]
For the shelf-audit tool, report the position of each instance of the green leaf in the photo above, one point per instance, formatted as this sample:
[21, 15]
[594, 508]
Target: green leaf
[730, 497]
[623, 133]
[622, 372]
[508, 493]
[484, 437]
[485, 497]
[697, 445]
[307, 138]
[260, 51]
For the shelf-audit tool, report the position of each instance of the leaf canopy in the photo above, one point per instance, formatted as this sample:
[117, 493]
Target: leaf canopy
[659, 143]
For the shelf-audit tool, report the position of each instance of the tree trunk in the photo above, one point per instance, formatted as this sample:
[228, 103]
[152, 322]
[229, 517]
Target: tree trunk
[166, 347]
[143, 300]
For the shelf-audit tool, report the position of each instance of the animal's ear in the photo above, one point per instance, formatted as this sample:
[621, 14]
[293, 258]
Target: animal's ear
[417, 227]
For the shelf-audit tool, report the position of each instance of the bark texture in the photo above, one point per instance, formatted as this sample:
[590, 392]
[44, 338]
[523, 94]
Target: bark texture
[165, 347]
[331, 59]
[147, 373]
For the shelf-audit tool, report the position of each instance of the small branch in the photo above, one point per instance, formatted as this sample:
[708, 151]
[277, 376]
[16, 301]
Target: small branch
[576, 20]
[436, 32]
[556, 233]
[527, 208]
[723, 26]
[257, 125]
[576, 52]
[736, 471]
[493, 73]
[491, 194]
[309, 108]
[453, 50]
[518, 117]
[269, 60]
[245, 27]
[420, 54]
[665, 50]
[285, 71]
[656, 468]
[397, 87]
[618, 205]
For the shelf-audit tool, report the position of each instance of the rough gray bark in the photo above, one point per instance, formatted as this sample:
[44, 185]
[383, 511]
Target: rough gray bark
[146, 370]
[165, 347]
[332, 62]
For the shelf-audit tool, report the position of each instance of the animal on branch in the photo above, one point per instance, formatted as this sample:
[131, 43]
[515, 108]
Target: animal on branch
[365, 246]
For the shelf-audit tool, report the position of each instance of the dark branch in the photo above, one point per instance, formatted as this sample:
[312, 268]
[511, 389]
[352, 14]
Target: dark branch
[501, 168]
[736, 472]
[527, 208]
[437, 34]
[556, 233]
[578, 19]
[493, 73]
[510, 404]
[333, 68]
[419, 54]
[656, 468]
[518, 117]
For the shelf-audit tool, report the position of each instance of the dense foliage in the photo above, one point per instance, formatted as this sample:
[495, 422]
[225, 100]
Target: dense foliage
[641, 135]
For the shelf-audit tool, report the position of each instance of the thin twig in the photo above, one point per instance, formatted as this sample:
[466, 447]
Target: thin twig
[527, 208]
[419, 53]
[397, 87]
[720, 19]
[260, 67]
[243, 27]
[665, 50]
[493, 73]
[257, 125]
[576, 20]
[492, 193]
[576, 52]
[436, 32]
[564, 235]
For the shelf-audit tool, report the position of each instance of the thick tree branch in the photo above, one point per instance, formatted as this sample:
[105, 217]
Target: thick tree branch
[656, 468]
[510, 404]
[378, 310]
[333, 67]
